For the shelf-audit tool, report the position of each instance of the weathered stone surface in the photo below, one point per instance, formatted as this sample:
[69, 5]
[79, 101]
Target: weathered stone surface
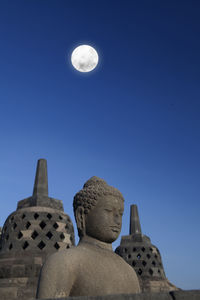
[91, 268]
[8, 293]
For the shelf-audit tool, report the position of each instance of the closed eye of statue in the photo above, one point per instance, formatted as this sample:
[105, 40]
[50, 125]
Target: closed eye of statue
[108, 210]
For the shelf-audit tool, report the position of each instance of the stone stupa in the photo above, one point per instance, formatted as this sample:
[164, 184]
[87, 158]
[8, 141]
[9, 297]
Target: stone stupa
[37, 228]
[138, 251]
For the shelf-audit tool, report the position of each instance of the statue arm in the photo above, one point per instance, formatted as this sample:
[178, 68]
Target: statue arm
[56, 279]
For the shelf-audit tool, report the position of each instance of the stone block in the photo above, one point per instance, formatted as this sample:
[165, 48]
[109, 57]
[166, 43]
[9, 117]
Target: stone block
[186, 295]
[18, 271]
[8, 293]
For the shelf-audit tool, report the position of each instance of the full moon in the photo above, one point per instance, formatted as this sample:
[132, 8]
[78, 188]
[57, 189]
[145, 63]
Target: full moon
[84, 58]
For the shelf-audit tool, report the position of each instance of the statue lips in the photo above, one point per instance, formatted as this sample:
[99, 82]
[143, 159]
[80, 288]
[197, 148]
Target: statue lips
[115, 228]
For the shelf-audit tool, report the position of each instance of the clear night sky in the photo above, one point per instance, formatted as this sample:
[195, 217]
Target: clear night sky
[134, 121]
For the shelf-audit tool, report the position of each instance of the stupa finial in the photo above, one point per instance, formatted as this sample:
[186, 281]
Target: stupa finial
[41, 180]
[135, 227]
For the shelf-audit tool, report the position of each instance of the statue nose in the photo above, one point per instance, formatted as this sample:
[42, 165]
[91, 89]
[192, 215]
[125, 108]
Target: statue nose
[117, 219]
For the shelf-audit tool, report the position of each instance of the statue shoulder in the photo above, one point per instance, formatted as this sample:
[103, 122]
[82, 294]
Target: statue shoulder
[62, 259]
[58, 274]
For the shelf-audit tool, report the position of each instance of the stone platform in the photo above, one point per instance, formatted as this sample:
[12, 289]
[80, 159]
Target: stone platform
[175, 295]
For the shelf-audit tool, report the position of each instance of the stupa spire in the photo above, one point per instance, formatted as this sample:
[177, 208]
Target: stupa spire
[41, 179]
[135, 227]
[40, 190]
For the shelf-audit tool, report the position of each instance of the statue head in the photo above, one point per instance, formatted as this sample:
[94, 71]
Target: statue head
[98, 210]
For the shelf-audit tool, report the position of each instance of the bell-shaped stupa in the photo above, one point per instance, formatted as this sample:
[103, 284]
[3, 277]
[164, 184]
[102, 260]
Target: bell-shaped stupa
[37, 228]
[136, 249]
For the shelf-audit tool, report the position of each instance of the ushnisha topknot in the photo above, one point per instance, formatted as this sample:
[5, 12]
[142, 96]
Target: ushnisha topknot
[94, 180]
[92, 191]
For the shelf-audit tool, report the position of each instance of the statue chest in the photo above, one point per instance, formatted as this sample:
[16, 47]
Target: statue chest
[102, 274]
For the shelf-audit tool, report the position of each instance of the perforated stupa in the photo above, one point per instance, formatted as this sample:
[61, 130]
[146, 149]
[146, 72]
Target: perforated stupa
[138, 251]
[37, 228]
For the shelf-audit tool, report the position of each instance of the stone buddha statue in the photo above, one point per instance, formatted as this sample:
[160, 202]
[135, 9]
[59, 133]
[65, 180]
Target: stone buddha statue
[91, 268]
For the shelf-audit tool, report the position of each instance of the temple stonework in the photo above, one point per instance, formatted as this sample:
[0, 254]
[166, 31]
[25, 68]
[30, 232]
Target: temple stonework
[136, 249]
[37, 228]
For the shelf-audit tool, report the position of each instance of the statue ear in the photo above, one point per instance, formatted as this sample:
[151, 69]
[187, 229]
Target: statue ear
[80, 219]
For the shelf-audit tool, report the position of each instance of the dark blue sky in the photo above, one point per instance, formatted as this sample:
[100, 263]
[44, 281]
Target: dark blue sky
[134, 121]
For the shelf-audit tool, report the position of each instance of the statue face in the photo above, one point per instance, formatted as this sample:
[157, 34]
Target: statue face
[104, 221]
